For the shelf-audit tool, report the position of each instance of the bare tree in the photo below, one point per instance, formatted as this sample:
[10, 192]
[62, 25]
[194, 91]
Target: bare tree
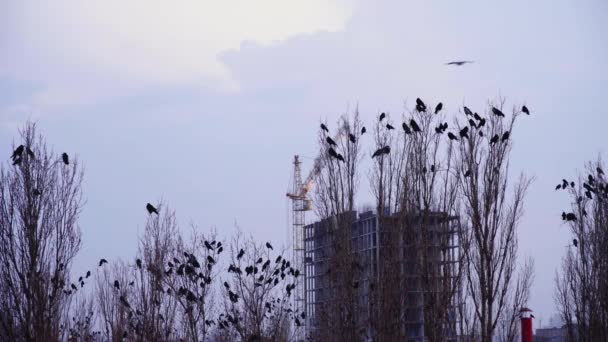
[582, 285]
[40, 201]
[256, 293]
[335, 193]
[492, 215]
[416, 189]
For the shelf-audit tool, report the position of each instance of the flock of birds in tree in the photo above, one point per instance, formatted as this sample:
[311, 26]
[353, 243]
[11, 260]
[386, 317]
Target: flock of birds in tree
[594, 187]
[412, 127]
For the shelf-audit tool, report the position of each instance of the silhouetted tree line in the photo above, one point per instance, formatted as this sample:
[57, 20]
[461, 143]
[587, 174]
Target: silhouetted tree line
[176, 288]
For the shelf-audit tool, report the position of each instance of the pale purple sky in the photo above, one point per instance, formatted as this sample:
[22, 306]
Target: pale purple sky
[204, 103]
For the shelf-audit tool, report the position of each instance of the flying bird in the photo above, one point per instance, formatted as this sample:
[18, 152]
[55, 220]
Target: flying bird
[459, 63]
[497, 112]
[438, 107]
[323, 127]
[382, 116]
[525, 110]
[65, 158]
[415, 126]
[150, 208]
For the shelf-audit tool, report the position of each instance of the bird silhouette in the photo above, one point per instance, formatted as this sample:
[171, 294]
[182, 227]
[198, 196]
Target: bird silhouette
[208, 245]
[525, 110]
[464, 133]
[138, 263]
[381, 151]
[406, 128]
[65, 158]
[570, 217]
[240, 255]
[472, 123]
[505, 136]
[482, 122]
[415, 126]
[323, 127]
[497, 112]
[420, 106]
[559, 186]
[438, 130]
[389, 127]
[459, 63]
[599, 171]
[382, 116]
[438, 107]
[150, 208]
[330, 141]
[476, 116]
[268, 245]
[452, 136]
[494, 139]
[18, 152]
[116, 284]
[467, 111]
[103, 261]
[332, 153]
[575, 242]
[363, 130]
[352, 138]
[88, 274]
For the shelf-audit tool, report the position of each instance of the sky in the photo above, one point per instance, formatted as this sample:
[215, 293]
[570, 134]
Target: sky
[202, 104]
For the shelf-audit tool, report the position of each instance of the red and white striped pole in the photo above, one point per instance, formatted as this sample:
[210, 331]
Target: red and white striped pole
[526, 325]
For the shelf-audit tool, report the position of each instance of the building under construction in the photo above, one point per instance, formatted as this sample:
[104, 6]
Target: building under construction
[392, 242]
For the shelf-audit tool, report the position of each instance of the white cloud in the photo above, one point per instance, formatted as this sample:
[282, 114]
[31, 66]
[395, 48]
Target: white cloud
[81, 50]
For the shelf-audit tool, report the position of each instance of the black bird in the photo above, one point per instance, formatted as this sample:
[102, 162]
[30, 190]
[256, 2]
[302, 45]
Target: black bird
[497, 112]
[268, 245]
[381, 151]
[278, 259]
[340, 157]
[481, 133]
[330, 141]
[103, 261]
[363, 130]
[482, 122]
[17, 161]
[433, 168]
[438, 107]
[259, 261]
[150, 208]
[467, 173]
[505, 136]
[389, 127]
[406, 128]
[382, 116]
[438, 130]
[210, 259]
[74, 287]
[525, 110]
[208, 245]
[467, 111]
[459, 63]
[464, 133]
[88, 274]
[18, 152]
[564, 183]
[241, 253]
[588, 194]
[415, 126]
[472, 123]
[332, 153]
[570, 217]
[599, 171]
[65, 158]
[476, 116]
[559, 186]
[452, 136]
[575, 242]
[117, 284]
[323, 127]
[138, 263]
[420, 106]
[563, 215]
[352, 138]
[494, 139]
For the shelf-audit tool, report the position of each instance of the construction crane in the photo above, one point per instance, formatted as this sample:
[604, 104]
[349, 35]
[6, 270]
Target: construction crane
[300, 204]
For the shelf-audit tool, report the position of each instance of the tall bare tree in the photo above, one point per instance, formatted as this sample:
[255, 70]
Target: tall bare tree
[582, 285]
[335, 193]
[492, 215]
[416, 190]
[40, 201]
